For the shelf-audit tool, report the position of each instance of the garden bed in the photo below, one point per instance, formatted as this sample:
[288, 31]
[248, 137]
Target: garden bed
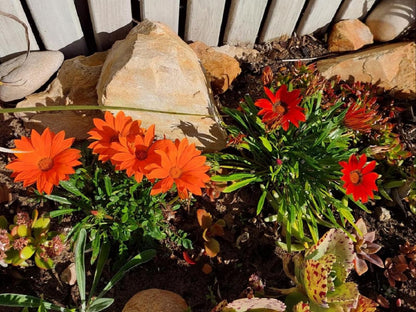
[248, 245]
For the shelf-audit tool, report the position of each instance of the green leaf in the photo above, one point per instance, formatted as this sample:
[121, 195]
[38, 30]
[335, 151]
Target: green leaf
[266, 143]
[141, 258]
[70, 187]
[61, 212]
[43, 263]
[80, 265]
[23, 230]
[95, 244]
[231, 177]
[27, 252]
[100, 304]
[102, 259]
[19, 300]
[108, 186]
[260, 203]
[394, 184]
[58, 199]
[3, 223]
[237, 185]
[40, 226]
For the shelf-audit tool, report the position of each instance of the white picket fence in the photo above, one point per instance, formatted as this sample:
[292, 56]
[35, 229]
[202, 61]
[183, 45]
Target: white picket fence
[84, 26]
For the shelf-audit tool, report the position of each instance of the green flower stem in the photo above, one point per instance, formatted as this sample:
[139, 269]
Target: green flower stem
[88, 107]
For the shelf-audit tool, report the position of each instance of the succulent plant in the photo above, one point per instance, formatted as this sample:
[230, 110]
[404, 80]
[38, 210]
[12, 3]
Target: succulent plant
[395, 268]
[320, 276]
[30, 236]
[365, 248]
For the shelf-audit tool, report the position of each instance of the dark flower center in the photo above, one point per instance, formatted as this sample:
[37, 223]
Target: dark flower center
[356, 176]
[280, 107]
[45, 164]
[175, 172]
[141, 154]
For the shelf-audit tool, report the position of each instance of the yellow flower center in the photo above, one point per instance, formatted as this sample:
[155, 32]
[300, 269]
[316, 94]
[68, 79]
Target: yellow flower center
[175, 172]
[355, 177]
[141, 154]
[45, 164]
[280, 107]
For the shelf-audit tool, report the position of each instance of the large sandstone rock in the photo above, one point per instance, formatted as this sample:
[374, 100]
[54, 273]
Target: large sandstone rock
[349, 35]
[153, 69]
[391, 17]
[156, 300]
[75, 84]
[391, 66]
[22, 76]
[221, 69]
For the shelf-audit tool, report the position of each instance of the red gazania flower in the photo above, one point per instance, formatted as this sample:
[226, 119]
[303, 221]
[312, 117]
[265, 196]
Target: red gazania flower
[359, 180]
[109, 130]
[359, 118]
[281, 108]
[134, 156]
[44, 159]
[181, 164]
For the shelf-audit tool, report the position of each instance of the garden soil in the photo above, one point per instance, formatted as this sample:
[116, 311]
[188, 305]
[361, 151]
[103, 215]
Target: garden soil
[248, 246]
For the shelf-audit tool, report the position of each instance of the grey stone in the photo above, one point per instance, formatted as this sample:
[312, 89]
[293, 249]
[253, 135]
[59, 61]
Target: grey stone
[22, 77]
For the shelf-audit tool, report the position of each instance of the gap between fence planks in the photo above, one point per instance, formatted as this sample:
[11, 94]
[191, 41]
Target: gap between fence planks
[58, 25]
[281, 19]
[111, 20]
[244, 22]
[317, 16]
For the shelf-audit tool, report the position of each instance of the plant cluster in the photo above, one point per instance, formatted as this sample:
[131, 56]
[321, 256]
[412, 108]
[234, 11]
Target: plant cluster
[29, 237]
[397, 266]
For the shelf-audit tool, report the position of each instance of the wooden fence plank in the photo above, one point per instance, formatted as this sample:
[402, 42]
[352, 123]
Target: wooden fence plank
[111, 21]
[58, 25]
[203, 20]
[244, 22]
[352, 9]
[317, 16]
[164, 11]
[12, 34]
[281, 19]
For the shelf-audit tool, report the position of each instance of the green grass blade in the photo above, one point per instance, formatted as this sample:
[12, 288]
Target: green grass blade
[100, 304]
[102, 259]
[80, 265]
[19, 300]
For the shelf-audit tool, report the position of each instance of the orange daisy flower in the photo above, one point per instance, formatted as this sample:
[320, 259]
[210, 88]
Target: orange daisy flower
[359, 180]
[133, 156]
[358, 118]
[109, 130]
[181, 164]
[44, 159]
[281, 108]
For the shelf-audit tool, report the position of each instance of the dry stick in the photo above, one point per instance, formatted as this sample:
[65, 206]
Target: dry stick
[15, 18]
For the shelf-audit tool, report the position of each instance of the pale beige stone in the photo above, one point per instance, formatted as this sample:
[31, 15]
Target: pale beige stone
[390, 18]
[69, 275]
[237, 52]
[391, 66]
[153, 69]
[220, 69]
[75, 84]
[22, 76]
[156, 300]
[349, 35]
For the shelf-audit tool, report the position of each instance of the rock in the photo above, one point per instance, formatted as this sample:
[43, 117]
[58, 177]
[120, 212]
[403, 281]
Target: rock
[22, 78]
[156, 300]
[237, 52]
[390, 18]
[153, 69]
[220, 69]
[390, 66]
[75, 84]
[382, 214]
[349, 35]
[69, 276]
